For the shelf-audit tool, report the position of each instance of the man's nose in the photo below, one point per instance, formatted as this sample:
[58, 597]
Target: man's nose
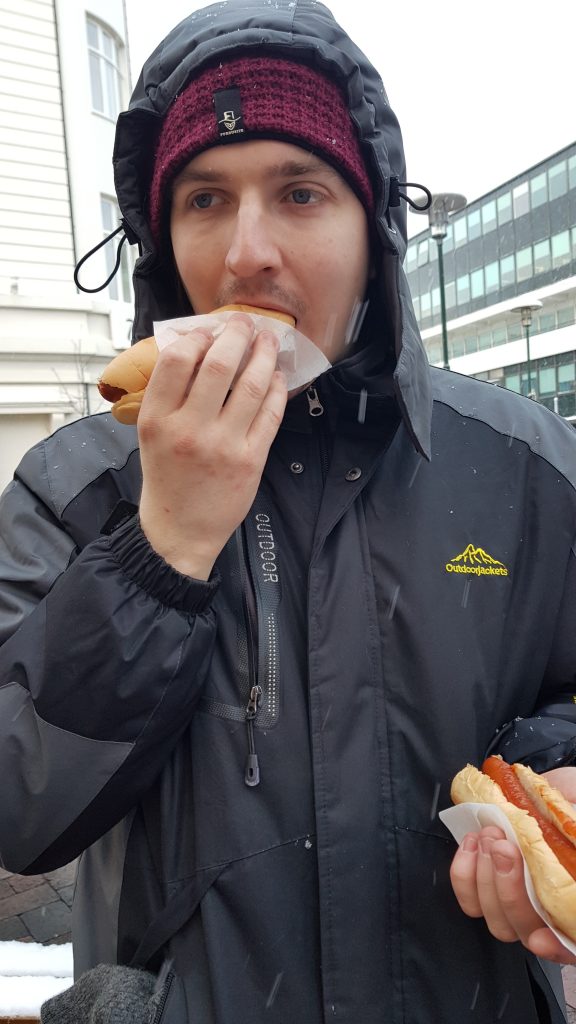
[254, 246]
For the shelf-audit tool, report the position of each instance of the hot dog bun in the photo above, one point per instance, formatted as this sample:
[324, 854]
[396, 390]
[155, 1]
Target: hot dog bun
[124, 380]
[546, 834]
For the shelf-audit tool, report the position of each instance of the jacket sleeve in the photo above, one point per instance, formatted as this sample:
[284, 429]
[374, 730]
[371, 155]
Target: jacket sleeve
[104, 653]
[548, 738]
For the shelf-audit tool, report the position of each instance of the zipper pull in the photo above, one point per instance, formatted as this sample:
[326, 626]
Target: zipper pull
[254, 702]
[315, 407]
[252, 772]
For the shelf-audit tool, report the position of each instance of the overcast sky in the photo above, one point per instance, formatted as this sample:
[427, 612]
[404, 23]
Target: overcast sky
[482, 90]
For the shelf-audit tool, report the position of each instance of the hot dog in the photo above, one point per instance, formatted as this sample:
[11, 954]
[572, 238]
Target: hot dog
[545, 826]
[125, 378]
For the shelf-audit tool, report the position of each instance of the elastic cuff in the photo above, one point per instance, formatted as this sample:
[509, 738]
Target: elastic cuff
[148, 569]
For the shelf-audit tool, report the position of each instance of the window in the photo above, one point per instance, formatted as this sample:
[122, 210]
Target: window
[515, 331]
[120, 285]
[471, 343]
[459, 231]
[411, 255]
[524, 264]
[450, 295]
[422, 252]
[492, 277]
[521, 199]
[416, 304]
[463, 289]
[565, 316]
[474, 227]
[567, 377]
[425, 304]
[538, 190]
[434, 349]
[448, 244]
[557, 180]
[547, 381]
[572, 172]
[560, 249]
[546, 322]
[435, 300]
[457, 346]
[105, 76]
[513, 381]
[504, 208]
[542, 258]
[477, 283]
[488, 217]
[507, 271]
[499, 336]
[485, 340]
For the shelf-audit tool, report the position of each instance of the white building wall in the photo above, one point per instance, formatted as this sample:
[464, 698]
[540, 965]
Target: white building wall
[55, 164]
[36, 244]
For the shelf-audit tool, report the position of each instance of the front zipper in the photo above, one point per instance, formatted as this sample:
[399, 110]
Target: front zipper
[252, 773]
[315, 407]
[164, 982]
[252, 770]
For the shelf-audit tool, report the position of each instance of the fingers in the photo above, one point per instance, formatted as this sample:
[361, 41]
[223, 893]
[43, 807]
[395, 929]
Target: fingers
[463, 876]
[220, 366]
[502, 892]
[269, 417]
[487, 876]
[249, 397]
[543, 943]
[174, 371]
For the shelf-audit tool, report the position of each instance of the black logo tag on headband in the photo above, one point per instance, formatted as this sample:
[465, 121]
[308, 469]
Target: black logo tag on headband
[228, 107]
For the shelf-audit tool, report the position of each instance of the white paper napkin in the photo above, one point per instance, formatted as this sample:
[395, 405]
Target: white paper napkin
[299, 358]
[464, 818]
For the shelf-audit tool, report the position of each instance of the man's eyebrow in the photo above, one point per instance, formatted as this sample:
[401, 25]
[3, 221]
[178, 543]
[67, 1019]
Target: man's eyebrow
[288, 169]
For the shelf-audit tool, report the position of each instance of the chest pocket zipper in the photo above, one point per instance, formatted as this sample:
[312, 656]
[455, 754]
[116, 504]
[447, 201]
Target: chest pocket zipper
[262, 656]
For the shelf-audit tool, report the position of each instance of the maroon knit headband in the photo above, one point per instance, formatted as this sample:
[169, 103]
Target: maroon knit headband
[257, 97]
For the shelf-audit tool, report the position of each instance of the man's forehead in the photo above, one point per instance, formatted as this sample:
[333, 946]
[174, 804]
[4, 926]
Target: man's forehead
[275, 160]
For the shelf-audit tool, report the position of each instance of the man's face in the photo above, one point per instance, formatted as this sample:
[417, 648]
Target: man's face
[268, 224]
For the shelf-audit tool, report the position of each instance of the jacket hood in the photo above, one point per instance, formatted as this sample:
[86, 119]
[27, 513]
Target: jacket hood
[306, 31]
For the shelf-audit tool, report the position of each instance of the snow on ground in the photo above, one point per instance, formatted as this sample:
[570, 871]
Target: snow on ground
[31, 973]
[23, 997]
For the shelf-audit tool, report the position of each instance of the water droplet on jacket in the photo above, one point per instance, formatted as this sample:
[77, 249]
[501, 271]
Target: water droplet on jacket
[308, 844]
[500, 1013]
[362, 405]
[434, 807]
[274, 990]
[394, 602]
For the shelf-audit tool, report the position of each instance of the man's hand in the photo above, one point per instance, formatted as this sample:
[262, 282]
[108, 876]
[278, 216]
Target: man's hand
[204, 447]
[487, 876]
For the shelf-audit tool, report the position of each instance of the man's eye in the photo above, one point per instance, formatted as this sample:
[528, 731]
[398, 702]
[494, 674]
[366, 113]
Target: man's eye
[203, 201]
[303, 196]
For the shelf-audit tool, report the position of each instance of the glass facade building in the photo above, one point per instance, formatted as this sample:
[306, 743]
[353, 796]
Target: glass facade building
[516, 243]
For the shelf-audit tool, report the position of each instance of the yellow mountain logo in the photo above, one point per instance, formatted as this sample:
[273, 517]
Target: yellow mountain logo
[476, 562]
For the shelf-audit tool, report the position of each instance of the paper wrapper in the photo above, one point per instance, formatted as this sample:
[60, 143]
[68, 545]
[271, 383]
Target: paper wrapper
[464, 818]
[300, 359]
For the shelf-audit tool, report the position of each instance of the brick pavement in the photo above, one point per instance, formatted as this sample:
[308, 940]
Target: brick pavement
[37, 908]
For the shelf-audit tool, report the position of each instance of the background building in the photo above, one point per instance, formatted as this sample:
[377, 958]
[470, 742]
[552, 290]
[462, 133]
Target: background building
[64, 76]
[511, 247]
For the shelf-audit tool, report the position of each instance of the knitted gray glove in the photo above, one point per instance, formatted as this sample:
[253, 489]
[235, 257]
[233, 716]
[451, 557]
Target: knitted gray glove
[105, 995]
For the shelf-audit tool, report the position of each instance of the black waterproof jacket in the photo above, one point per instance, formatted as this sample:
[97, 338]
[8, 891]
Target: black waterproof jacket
[251, 767]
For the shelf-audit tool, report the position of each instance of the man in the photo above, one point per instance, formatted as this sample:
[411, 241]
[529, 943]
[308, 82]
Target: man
[245, 699]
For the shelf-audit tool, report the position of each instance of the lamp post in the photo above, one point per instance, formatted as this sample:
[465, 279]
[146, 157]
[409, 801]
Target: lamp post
[526, 312]
[443, 205]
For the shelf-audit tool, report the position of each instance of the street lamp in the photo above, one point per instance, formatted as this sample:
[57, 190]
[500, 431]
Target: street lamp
[526, 312]
[443, 205]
